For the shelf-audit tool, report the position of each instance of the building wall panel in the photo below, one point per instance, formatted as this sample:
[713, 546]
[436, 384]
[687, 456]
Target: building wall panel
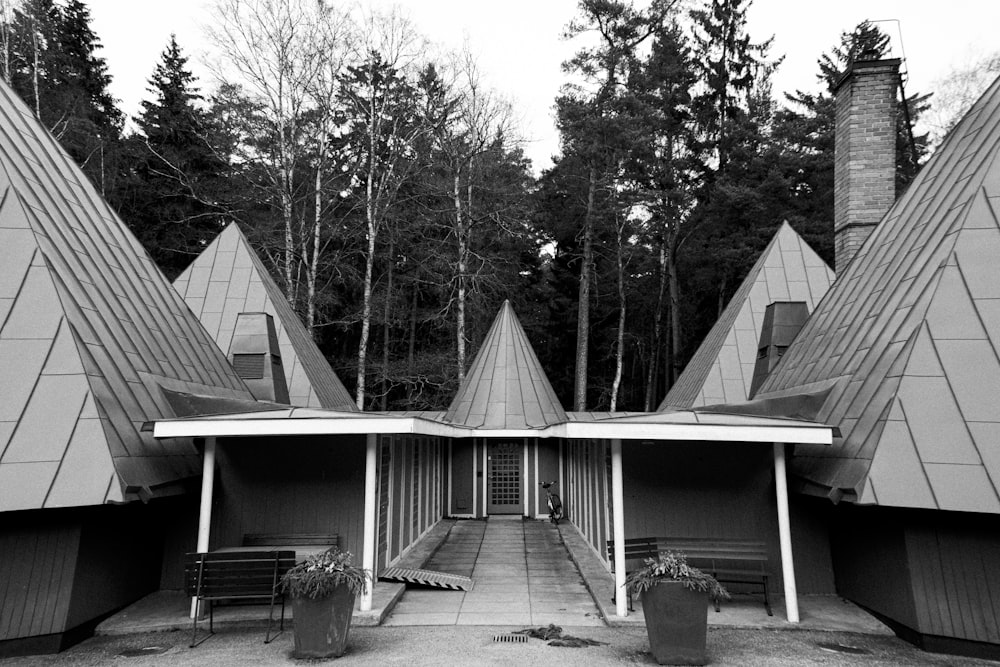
[37, 561]
[953, 563]
[462, 466]
[298, 485]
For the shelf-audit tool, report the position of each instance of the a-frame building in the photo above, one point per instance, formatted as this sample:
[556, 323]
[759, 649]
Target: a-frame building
[90, 331]
[227, 279]
[907, 342]
[722, 368]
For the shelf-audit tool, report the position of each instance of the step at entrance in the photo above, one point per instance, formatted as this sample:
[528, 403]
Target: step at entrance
[405, 575]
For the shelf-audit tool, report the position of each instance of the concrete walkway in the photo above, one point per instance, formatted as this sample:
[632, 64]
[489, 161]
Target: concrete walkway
[523, 576]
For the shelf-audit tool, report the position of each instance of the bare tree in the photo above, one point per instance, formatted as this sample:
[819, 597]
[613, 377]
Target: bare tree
[379, 98]
[269, 48]
[335, 37]
[958, 90]
[482, 121]
[7, 8]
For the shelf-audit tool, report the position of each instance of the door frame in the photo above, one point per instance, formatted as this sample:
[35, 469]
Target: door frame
[521, 458]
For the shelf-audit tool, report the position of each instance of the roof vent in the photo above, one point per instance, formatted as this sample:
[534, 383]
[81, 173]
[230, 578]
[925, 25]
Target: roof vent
[254, 343]
[782, 322]
[249, 366]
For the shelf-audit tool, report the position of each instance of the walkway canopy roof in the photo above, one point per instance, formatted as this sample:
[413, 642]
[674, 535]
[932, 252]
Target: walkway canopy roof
[680, 425]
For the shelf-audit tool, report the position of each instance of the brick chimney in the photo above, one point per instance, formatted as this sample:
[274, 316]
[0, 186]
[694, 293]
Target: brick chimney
[865, 153]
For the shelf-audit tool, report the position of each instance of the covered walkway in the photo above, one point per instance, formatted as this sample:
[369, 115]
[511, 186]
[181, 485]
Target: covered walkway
[523, 576]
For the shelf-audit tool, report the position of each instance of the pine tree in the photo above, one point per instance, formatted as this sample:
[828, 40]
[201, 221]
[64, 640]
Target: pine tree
[174, 190]
[54, 67]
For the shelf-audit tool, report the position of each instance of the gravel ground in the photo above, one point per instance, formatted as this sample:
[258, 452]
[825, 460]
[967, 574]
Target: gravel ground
[473, 645]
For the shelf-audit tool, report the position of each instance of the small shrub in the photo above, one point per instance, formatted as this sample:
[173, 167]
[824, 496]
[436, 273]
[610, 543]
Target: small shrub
[671, 566]
[319, 575]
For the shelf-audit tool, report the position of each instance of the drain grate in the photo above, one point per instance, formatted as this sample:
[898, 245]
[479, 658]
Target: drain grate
[511, 639]
[843, 648]
[145, 650]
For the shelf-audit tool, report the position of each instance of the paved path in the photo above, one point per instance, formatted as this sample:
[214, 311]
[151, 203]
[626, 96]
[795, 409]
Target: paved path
[523, 576]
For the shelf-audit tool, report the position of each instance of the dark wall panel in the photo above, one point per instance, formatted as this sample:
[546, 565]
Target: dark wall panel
[955, 567]
[290, 485]
[119, 560]
[462, 462]
[38, 552]
[870, 562]
[723, 490]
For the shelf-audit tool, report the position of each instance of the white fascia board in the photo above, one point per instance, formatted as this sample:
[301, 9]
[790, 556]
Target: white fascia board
[811, 434]
[198, 428]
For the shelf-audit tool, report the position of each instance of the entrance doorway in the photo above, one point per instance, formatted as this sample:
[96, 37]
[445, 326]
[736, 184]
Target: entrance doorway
[505, 459]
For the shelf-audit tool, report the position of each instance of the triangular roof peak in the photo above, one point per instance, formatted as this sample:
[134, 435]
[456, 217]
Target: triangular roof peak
[506, 387]
[89, 332]
[228, 278]
[910, 334]
[721, 370]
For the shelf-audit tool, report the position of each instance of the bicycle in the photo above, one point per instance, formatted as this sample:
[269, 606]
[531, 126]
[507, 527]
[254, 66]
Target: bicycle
[554, 503]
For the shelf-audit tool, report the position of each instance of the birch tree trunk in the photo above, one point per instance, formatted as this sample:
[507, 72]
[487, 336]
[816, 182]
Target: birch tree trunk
[312, 268]
[386, 313]
[620, 340]
[462, 239]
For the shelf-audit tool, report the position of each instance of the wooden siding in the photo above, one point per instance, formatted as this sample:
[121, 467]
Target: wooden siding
[384, 469]
[955, 566]
[870, 563]
[723, 490]
[934, 573]
[413, 473]
[37, 560]
[298, 485]
[62, 570]
[586, 496]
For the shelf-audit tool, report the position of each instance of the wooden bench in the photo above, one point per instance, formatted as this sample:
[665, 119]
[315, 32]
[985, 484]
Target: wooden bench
[291, 540]
[730, 561]
[250, 576]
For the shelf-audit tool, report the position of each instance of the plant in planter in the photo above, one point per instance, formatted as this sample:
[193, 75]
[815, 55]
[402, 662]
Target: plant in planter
[675, 600]
[323, 589]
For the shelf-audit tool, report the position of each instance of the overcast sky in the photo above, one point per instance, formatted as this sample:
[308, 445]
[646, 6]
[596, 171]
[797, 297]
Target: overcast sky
[520, 49]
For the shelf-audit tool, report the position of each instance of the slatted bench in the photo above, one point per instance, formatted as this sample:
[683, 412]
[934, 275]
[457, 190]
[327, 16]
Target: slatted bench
[304, 544]
[730, 561]
[249, 576]
[291, 540]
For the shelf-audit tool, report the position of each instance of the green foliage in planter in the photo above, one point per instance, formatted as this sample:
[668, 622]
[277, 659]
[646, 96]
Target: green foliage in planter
[318, 576]
[671, 566]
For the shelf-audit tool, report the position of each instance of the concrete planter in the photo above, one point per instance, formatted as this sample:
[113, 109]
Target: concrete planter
[677, 624]
[321, 626]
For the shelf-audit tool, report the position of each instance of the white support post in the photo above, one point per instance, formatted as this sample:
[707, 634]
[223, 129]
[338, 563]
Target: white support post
[785, 535]
[205, 512]
[368, 549]
[618, 511]
[524, 476]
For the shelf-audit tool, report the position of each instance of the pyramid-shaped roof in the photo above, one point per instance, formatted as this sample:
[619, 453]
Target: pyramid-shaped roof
[721, 369]
[908, 339]
[228, 278]
[506, 387]
[89, 332]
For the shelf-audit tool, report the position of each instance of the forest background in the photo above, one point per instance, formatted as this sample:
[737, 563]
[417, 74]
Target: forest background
[388, 191]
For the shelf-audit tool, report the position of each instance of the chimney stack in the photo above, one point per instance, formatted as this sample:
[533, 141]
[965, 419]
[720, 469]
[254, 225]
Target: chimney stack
[865, 153]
